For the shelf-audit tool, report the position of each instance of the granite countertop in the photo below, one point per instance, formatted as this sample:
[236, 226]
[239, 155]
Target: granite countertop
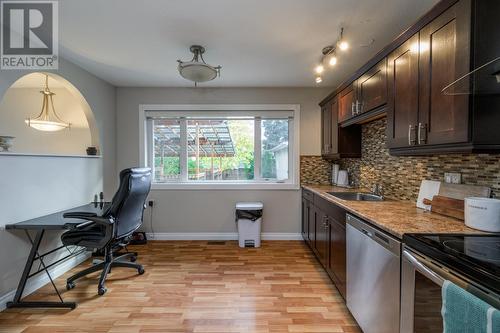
[393, 216]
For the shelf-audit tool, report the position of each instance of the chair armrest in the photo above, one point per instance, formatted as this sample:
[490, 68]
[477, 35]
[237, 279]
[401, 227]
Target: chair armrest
[78, 215]
[91, 217]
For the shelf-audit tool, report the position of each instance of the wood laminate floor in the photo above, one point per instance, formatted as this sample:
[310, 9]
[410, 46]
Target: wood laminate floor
[198, 286]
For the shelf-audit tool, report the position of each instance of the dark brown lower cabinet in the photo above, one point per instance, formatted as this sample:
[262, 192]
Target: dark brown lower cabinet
[336, 266]
[326, 235]
[321, 244]
[311, 231]
[308, 217]
[305, 218]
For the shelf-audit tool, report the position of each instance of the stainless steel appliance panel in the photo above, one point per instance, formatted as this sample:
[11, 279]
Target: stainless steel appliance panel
[421, 282]
[373, 277]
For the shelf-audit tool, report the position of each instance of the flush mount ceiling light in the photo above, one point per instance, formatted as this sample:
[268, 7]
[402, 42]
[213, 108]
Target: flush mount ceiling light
[47, 120]
[197, 70]
[329, 53]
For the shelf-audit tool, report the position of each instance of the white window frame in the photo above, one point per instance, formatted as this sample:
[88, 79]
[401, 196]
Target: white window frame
[179, 110]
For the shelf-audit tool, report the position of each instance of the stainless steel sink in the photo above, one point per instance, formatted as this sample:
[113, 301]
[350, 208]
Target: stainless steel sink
[356, 196]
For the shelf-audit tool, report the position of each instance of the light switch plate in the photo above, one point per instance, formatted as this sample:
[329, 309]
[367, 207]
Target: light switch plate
[453, 177]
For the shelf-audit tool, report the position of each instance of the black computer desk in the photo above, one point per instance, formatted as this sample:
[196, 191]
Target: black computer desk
[54, 221]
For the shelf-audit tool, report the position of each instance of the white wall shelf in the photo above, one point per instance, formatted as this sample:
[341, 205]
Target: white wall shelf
[48, 155]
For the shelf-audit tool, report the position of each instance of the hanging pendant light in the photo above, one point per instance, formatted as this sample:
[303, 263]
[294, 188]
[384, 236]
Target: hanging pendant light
[47, 120]
[197, 70]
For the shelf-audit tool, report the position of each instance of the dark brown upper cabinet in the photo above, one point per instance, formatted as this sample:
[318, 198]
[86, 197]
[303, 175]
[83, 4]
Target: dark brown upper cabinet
[420, 114]
[338, 142]
[365, 98]
[444, 56]
[441, 76]
[347, 98]
[371, 90]
[326, 129]
[402, 106]
[443, 120]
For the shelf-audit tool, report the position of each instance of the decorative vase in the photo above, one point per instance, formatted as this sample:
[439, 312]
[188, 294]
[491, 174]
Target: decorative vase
[91, 151]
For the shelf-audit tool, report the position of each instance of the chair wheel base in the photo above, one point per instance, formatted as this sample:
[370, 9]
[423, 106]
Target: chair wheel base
[101, 291]
[70, 285]
[140, 270]
[133, 258]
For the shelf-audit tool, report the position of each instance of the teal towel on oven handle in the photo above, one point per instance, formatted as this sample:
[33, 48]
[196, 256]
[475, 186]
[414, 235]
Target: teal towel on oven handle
[463, 312]
[493, 320]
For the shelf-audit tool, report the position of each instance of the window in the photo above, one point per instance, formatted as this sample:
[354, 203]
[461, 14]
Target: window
[166, 152]
[274, 148]
[220, 149]
[220, 146]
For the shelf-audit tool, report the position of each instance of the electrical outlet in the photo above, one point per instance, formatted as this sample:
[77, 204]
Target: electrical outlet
[453, 177]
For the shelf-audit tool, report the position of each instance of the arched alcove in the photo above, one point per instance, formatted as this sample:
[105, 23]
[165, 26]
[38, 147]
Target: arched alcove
[23, 100]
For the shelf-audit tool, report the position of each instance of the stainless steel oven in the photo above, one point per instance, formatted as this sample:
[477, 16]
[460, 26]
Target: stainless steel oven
[421, 282]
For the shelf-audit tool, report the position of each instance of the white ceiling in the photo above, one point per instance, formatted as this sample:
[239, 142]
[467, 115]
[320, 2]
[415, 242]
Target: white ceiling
[259, 43]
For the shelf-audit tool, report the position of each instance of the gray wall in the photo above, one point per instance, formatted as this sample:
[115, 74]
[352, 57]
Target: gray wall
[192, 211]
[34, 186]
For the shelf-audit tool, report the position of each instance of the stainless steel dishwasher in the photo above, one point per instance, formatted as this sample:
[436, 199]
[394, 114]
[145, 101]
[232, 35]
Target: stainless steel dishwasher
[373, 277]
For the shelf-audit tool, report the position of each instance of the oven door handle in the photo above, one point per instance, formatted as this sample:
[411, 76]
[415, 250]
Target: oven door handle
[423, 269]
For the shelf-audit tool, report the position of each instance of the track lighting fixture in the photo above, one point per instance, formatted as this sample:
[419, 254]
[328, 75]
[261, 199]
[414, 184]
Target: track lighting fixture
[330, 53]
[343, 45]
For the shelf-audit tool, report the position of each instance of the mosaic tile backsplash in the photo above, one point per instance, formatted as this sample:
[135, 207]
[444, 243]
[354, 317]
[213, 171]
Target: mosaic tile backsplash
[400, 176]
[314, 170]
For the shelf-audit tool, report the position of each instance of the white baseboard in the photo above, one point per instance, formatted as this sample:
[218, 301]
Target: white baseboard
[220, 236]
[42, 279]
[281, 236]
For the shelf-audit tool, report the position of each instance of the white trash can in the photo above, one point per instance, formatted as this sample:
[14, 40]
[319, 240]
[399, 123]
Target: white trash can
[249, 221]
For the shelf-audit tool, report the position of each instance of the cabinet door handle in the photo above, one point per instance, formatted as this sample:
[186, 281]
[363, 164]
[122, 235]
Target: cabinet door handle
[420, 128]
[353, 109]
[411, 141]
[409, 135]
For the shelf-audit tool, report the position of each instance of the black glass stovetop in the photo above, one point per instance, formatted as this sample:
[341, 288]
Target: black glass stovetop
[474, 256]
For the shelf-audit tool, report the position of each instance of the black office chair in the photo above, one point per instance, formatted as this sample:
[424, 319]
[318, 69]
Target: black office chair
[113, 230]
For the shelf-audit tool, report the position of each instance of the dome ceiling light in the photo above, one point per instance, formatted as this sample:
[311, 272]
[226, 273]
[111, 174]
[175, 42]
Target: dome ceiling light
[329, 53]
[47, 120]
[197, 70]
